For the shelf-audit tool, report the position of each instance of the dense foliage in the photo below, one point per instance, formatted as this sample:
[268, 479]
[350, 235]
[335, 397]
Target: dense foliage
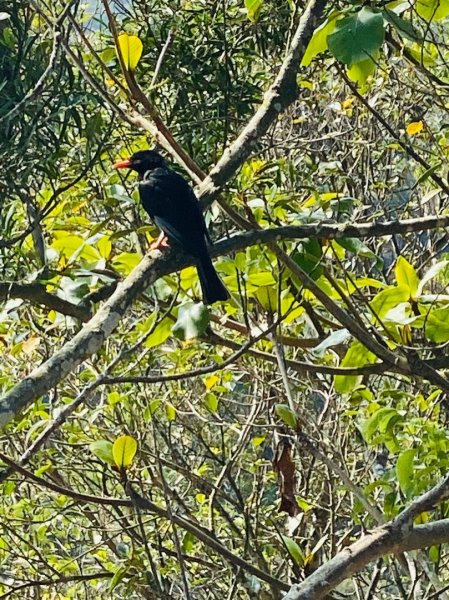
[230, 451]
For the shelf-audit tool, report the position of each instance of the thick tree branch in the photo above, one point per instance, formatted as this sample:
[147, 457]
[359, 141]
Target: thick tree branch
[152, 267]
[38, 295]
[397, 536]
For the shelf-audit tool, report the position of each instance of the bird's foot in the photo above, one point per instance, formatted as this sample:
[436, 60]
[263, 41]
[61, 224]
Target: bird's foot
[161, 242]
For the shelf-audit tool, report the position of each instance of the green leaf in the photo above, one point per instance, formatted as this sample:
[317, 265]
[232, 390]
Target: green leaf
[267, 297]
[356, 356]
[261, 278]
[360, 71]
[294, 550]
[161, 332]
[431, 273]
[253, 8]
[103, 450]
[126, 262]
[404, 470]
[434, 554]
[114, 398]
[188, 542]
[170, 411]
[357, 246]
[379, 420]
[124, 450]
[387, 299]
[406, 276]
[318, 43]
[432, 10]
[118, 577]
[437, 325]
[309, 259]
[193, 320]
[211, 401]
[131, 50]
[357, 37]
[403, 27]
[285, 413]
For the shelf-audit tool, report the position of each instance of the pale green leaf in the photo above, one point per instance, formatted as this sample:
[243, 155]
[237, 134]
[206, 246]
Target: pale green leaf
[253, 8]
[404, 470]
[432, 10]
[389, 298]
[318, 43]
[437, 325]
[431, 273]
[170, 411]
[103, 450]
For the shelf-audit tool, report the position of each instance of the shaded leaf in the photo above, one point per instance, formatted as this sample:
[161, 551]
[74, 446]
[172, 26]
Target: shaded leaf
[193, 320]
[294, 550]
[357, 37]
[285, 413]
[103, 450]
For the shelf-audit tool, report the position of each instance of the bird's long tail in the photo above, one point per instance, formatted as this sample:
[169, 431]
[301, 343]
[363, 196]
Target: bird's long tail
[211, 285]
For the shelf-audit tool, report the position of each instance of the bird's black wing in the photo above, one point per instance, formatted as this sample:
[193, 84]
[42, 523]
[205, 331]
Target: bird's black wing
[171, 203]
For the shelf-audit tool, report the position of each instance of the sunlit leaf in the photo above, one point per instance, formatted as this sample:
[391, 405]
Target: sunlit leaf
[360, 71]
[253, 8]
[170, 411]
[404, 469]
[318, 43]
[415, 127]
[387, 299]
[356, 356]
[131, 49]
[437, 325]
[406, 276]
[432, 10]
[124, 450]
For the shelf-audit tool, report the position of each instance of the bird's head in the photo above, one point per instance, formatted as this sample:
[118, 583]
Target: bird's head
[142, 161]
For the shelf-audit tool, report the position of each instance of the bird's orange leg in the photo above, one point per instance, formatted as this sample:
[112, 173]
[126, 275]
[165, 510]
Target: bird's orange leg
[161, 242]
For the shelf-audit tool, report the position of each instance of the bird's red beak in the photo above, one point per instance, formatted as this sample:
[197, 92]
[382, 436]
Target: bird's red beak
[122, 164]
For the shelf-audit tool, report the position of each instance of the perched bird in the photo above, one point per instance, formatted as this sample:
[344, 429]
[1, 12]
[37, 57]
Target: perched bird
[174, 208]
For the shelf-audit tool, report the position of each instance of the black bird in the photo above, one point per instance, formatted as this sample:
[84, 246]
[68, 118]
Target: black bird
[174, 208]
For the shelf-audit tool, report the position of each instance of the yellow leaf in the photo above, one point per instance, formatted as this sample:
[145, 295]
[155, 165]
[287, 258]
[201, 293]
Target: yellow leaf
[211, 381]
[131, 50]
[30, 345]
[415, 127]
[123, 451]
[306, 84]
[346, 104]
